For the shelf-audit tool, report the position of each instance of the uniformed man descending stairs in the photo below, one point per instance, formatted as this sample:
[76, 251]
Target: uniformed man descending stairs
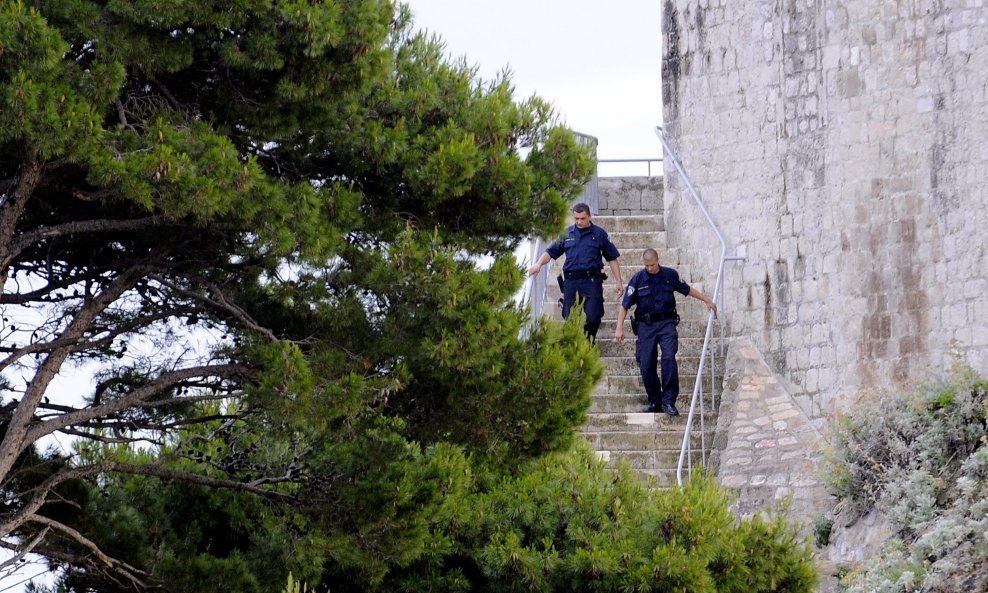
[652, 292]
[586, 246]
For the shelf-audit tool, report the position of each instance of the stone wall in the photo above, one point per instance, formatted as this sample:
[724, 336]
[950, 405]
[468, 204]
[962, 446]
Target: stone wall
[842, 147]
[629, 196]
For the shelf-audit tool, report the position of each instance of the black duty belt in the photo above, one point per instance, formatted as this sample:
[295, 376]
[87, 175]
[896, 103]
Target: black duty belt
[582, 274]
[657, 317]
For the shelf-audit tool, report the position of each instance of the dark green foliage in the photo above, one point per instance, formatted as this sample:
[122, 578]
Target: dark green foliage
[822, 528]
[558, 523]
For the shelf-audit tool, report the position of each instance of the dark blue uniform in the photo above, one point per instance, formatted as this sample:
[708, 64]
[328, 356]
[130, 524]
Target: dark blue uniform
[653, 296]
[585, 249]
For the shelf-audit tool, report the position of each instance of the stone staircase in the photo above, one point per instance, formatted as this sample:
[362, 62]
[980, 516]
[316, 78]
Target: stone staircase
[616, 426]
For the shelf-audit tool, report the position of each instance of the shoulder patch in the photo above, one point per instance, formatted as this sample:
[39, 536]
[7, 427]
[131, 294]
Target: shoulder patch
[629, 291]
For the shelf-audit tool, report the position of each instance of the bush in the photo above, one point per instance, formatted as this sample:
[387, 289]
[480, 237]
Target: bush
[921, 458]
[565, 523]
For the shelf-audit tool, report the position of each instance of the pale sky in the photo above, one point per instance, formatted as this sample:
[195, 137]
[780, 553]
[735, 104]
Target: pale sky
[598, 63]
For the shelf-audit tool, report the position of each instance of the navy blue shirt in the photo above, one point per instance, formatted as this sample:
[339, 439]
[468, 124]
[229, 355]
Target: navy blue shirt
[584, 248]
[654, 294]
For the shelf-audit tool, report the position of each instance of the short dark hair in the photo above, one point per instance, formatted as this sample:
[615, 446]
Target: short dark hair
[581, 207]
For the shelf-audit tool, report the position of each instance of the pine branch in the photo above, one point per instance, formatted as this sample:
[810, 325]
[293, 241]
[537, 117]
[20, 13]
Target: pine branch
[83, 434]
[82, 226]
[222, 303]
[23, 551]
[160, 403]
[12, 207]
[40, 493]
[163, 383]
[118, 566]
[15, 439]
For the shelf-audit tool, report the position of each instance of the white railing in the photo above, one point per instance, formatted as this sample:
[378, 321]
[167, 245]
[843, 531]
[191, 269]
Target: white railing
[652, 166]
[686, 451]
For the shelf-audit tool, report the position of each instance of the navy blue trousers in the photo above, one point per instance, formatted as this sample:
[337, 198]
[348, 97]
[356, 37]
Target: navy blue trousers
[591, 290]
[652, 338]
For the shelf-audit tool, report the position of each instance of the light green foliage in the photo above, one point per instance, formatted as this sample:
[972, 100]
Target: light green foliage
[294, 586]
[922, 459]
[563, 523]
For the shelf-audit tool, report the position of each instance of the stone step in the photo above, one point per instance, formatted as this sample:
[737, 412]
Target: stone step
[629, 403]
[659, 478]
[622, 385]
[608, 347]
[662, 460]
[688, 328]
[617, 403]
[639, 441]
[617, 224]
[632, 384]
[640, 422]
[632, 422]
[631, 244]
[627, 366]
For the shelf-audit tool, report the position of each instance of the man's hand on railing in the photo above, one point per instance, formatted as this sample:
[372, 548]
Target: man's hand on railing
[709, 302]
[537, 267]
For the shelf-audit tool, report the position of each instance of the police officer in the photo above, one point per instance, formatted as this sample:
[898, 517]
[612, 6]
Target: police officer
[652, 292]
[586, 245]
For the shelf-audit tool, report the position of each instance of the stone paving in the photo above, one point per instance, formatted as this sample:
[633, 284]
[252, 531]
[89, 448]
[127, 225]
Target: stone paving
[767, 449]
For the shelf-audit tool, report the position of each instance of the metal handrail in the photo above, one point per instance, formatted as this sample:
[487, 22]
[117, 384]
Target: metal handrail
[648, 162]
[685, 452]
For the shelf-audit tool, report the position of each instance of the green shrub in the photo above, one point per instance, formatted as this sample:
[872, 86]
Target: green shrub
[565, 523]
[921, 458]
[822, 528]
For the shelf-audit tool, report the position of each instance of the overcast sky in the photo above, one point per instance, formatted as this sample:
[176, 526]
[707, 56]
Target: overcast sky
[597, 62]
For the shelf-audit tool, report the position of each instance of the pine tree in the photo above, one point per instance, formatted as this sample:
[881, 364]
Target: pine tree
[256, 225]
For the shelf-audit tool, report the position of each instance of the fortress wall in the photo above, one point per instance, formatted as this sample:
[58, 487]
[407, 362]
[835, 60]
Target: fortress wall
[842, 147]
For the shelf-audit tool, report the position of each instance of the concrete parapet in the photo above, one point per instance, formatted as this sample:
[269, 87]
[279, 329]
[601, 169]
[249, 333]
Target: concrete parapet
[624, 196]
